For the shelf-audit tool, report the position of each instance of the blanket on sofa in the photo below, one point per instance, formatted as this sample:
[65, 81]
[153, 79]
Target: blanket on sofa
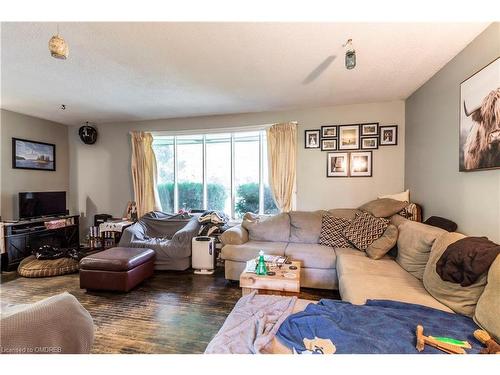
[379, 326]
[251, 325]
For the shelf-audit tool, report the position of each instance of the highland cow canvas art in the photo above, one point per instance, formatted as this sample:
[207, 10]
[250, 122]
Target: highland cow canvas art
[480, 119]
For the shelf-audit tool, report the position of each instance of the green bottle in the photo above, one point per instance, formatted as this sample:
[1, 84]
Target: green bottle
[261, 266]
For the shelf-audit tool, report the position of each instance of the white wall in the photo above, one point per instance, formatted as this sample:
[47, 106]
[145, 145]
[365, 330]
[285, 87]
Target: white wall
[13, 181]
[100, 179]
[471, 199]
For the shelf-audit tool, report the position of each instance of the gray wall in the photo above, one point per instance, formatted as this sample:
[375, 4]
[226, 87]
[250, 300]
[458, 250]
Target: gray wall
[100, 177]
[472, 199]
[12, 181]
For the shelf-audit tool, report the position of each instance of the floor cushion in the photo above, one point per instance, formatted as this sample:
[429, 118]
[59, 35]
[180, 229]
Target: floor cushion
[32, 267]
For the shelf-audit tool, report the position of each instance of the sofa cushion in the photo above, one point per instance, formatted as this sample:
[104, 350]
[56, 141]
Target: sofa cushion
[364, 229]
[331, 231]
[250, 249]
[346, 213]
[460, 299]
[305, 226]
[274, 228]
[312, 255]
[488, 305]
[384, 207]
[384, 244]
[414, 246]
[352, 263]
[356, 288]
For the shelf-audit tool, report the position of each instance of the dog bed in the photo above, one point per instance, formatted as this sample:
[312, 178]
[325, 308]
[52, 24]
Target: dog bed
[32, 267]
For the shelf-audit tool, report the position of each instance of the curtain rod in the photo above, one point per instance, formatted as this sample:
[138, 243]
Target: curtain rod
[229, 129]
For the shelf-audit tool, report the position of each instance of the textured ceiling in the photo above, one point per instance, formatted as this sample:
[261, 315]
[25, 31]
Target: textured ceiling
[140, 71]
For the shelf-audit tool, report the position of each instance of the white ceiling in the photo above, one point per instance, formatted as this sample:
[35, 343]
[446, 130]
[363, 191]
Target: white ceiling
[139, 71]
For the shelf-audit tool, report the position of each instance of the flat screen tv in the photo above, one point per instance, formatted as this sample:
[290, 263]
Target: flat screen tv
[37, 204]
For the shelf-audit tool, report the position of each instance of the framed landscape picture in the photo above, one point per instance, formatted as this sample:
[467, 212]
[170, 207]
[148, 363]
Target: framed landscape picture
[479, 136]
[311, 138]
[369, 143]
[348, 137]
[389, 135]
[329, 131]
[369, 129]
[28, 154]
[361, 164]
[337, 164]
[328, 144]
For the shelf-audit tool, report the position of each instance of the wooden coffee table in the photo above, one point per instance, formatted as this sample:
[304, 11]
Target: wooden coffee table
[286, 282]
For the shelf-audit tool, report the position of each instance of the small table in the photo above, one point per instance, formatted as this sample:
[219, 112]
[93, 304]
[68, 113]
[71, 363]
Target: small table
[286, 281]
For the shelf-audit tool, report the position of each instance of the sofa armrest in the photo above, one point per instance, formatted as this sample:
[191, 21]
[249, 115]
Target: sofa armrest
[236, 235]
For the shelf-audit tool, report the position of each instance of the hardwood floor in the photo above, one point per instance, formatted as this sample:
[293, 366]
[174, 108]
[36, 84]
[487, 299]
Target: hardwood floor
[172, 312]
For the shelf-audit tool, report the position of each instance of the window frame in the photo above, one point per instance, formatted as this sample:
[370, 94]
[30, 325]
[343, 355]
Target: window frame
[261, 144]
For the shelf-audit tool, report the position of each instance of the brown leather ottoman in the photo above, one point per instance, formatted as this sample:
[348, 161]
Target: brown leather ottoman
[118, 268]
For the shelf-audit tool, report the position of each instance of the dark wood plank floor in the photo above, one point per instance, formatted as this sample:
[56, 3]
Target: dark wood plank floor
[173, 312]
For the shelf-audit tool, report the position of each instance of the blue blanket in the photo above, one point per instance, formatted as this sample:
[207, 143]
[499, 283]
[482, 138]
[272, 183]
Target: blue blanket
[379, 326]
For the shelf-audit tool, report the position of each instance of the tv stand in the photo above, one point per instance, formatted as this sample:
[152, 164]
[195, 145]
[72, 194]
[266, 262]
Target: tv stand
[25, 236]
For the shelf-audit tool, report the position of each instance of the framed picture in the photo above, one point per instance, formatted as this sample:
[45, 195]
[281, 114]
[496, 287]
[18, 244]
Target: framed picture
[311, 138]
[28, 154]
[348, 137]
[329, 131]
[479, 139]
[369, 143]
[328, 144]
[369, 129]
[389, 135]
[337, 164]
[361, 164]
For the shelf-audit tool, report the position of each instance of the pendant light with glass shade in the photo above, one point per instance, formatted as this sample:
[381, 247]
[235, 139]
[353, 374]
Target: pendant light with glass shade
[350, 55]
[58, 47]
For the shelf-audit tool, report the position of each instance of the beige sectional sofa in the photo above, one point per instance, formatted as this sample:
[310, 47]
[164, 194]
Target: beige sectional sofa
[409, 277]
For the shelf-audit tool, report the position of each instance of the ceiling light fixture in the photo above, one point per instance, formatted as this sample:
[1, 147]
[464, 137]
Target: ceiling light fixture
[350, 55]
[58, 47]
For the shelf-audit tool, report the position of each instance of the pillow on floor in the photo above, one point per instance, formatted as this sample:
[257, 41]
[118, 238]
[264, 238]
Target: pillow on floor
[460, 299]
[384, 207]
[331, 232]
[364, 229]
[384, 244]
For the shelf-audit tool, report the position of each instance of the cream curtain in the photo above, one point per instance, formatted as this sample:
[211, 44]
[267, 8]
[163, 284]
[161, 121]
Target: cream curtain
[144, 173]
[282, 154]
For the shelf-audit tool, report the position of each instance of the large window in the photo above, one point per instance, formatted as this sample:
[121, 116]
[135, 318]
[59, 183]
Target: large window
[225, 172]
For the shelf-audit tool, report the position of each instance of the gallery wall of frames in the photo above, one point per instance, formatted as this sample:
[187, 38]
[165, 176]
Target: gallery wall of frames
[350, 147]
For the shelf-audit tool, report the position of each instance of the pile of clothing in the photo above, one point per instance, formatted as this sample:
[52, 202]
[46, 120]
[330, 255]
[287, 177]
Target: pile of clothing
[212, 223]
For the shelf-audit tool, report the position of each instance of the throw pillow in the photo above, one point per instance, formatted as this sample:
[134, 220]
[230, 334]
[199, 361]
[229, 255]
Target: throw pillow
[267, 228]
[404, 196]
[486, 313]
[364, 229]
[414, 246]
[384, 207]
[305, 226]
[331, 232]
[460, 299]
[384, 244]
